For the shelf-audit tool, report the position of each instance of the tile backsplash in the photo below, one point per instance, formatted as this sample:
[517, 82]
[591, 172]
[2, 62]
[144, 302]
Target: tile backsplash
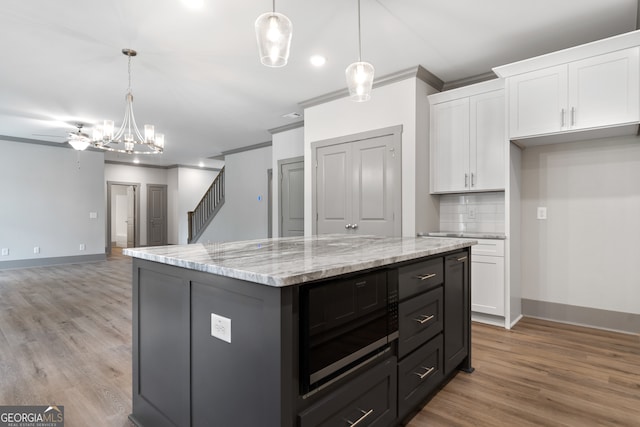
[473, 212]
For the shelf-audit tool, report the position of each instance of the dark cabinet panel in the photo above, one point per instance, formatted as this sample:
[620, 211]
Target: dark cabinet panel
[456, 311]
[370, 398]
[421, 318]
[419, 375]
[420, 276]
[161, 386]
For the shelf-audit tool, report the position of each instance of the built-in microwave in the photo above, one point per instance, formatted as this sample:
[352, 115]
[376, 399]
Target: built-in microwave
[344, 323]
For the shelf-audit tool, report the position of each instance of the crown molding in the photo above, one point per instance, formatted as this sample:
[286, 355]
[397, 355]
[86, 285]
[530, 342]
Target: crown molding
[241, 149]
[285, 128]
[144, 165]
[479, 78]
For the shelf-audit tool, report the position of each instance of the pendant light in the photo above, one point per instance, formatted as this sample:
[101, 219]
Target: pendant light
[273, 32]
[360, 74]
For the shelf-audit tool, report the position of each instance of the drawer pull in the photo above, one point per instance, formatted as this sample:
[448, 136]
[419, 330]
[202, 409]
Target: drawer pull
[424, 319]
[429, 370]
[462, 259]
[426, 276]
[366, 414]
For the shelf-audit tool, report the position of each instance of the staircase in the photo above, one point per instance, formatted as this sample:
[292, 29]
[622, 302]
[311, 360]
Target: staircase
[207, 208]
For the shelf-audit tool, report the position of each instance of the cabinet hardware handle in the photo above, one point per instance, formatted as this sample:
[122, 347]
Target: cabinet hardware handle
[429, 370]
[366, 414]
[426, 276]
[573, 116]
[462, 259]
[473, 179]
[562, 118]
[424, 319]
[466, 180]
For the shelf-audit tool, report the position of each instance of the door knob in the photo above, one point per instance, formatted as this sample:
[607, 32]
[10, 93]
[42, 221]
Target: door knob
[354, 226]
[348, 226]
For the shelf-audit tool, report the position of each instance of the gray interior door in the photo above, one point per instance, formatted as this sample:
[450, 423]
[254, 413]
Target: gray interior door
[333, 188]
[358, 186]
[292, 198]
[376, 180]
[131, 216]
[156, 215]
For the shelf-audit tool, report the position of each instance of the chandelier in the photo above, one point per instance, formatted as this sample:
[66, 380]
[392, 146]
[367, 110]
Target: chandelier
[360, 74]
[128, 139]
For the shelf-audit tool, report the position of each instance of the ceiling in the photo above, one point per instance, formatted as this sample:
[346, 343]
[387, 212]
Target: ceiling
[197, 76]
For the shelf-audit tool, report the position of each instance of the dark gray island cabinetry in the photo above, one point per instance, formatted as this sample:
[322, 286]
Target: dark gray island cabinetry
[322, 331]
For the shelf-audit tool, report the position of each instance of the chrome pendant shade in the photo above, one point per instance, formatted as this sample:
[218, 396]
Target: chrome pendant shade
[273, 33]
[128, 138]
[360, 74]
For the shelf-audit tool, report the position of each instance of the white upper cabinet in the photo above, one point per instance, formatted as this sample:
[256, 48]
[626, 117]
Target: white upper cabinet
[467, 139]
[537, 102]
[603, 90]
[594, 92]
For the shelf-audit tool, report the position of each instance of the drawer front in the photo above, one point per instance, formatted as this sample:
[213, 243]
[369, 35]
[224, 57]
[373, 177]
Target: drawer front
[419, 277]
[369, 400]
[489, 247]
[419, 375]
[421, 318]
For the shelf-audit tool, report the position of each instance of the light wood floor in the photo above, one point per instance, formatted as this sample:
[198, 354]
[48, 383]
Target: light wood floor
[65, 338]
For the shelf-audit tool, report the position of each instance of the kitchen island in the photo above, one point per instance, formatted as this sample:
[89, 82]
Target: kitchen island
[219, 330]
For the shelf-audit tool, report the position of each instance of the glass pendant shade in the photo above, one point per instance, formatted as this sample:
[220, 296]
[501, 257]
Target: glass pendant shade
[273, 33]
[79, 144]
[360, 80]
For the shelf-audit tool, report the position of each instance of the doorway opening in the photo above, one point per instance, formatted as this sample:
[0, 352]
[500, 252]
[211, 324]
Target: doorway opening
[123, 216]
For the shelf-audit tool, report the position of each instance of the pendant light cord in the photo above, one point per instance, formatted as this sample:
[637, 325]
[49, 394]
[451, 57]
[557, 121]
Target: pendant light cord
[129, 70]
[359, 35]
[274, 6]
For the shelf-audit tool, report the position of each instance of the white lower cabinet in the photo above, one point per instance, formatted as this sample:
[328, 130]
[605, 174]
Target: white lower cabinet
[488, 277]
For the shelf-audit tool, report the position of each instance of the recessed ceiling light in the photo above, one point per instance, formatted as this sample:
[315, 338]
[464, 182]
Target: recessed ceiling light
[201, 164]
[318, 60]
[194, 4]
[136, 161]
[293, 115]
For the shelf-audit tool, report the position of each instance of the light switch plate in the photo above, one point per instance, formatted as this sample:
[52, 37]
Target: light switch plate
[93, 215]
[82, 247]
[221, 327]
[5, 251]
[542, 212]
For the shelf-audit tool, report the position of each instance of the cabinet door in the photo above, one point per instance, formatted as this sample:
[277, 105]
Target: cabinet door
[456, 311]
[488, 143]
[538, 102]
[603, 90]
[487, 284]
[450, 146]
[333, 188]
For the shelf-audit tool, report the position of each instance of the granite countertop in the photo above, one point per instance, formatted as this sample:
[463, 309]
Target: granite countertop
[293, 260]
[464, 235]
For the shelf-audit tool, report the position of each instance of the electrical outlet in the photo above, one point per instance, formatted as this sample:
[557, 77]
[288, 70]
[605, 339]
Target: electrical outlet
[471, 213]
[93, 215]
[5, 251]
[36, 249]
[221, 327]
[82, 247]
[542, 212]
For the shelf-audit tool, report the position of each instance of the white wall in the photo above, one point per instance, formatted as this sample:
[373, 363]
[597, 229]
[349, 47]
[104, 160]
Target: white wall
[46, 194]
[192, 184]
[401, 103]
[243, 216]
[285, 145]
[586, 253]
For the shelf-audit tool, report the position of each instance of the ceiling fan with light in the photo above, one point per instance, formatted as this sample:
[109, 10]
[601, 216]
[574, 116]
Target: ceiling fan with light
[79, 140]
